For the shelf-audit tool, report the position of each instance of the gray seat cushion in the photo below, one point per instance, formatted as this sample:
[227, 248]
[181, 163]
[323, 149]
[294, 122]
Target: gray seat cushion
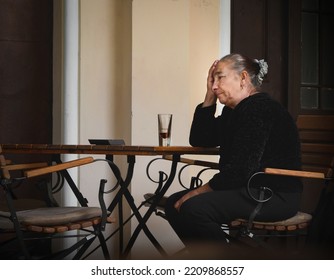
[52, 216]
[299, 218]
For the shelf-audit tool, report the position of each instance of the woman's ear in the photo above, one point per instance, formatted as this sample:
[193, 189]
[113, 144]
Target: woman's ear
[244, 75]
[243, 78]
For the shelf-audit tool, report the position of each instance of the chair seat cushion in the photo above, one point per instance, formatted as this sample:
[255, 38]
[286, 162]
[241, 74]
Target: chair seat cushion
[300, 220]
[52, 216]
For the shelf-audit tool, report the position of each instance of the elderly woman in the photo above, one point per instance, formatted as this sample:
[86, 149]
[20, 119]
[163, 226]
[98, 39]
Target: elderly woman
[253, 132]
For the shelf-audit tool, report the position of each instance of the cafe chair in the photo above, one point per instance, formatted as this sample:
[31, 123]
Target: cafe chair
[317, 145]
[26, 220]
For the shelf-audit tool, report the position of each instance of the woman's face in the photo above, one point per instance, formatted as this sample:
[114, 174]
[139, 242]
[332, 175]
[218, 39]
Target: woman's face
[228, 85]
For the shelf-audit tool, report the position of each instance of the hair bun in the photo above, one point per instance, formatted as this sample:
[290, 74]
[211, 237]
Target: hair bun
[263, 69]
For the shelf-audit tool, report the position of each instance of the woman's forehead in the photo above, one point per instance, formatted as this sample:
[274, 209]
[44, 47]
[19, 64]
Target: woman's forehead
[222, 67]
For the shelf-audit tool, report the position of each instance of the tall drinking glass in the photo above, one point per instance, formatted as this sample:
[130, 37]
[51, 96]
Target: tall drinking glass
[165, 129]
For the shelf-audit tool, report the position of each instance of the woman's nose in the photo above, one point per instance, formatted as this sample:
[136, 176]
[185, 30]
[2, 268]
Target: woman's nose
[214, 86]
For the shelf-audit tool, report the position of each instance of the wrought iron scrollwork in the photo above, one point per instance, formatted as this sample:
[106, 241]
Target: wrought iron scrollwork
[196, 180]
[116, 172]
[265, 192]
[162, 175]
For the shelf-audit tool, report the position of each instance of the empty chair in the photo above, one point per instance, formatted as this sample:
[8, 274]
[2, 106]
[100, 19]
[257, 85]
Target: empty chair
[25, 220]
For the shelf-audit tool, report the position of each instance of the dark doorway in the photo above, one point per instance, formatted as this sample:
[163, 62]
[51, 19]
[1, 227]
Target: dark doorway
[26, 32]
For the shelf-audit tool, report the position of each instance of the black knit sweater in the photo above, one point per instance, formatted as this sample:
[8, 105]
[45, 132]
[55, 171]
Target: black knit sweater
[257, 133]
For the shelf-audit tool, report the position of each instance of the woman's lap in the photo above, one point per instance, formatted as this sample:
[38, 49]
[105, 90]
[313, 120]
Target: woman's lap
[220, 205]
[206, 212]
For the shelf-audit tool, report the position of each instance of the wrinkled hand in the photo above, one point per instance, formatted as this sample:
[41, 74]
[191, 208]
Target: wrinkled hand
[197, 191]
[210, 97]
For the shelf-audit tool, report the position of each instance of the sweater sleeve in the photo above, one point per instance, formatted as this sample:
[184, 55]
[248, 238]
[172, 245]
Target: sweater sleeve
[203, 132]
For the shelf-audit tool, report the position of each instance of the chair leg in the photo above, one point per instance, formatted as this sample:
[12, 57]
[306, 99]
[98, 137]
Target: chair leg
[104, 246]
[17, 226]
[257, 241]
[65, 252]
[88, 240]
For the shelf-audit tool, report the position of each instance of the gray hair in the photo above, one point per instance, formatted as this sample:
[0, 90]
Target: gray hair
[256, 69]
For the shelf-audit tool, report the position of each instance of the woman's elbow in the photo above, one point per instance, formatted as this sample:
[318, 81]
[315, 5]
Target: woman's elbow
[201, 143]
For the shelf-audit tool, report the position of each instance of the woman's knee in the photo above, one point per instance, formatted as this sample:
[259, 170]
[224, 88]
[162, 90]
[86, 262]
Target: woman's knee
[171, 200]
[195, 209]
[169, 206]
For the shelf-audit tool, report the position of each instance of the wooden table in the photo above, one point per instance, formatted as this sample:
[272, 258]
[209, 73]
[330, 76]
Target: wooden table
[105, 149]
[174, 153]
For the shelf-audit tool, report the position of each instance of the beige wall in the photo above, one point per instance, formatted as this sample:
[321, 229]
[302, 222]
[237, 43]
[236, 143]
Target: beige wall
[172, 50]
[105, 69]
[138, 58]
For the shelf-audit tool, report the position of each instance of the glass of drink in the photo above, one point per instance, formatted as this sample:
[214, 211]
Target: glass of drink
[165, 129]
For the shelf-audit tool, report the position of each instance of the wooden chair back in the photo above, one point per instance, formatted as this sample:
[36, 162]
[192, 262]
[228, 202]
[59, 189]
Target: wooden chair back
[316, 134]
[317, 142]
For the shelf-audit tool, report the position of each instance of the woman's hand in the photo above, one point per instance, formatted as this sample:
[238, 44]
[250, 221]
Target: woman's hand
[194, 192]
[210, 97]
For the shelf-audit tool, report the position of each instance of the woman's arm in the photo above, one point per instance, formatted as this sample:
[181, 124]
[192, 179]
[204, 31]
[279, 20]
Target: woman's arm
[204, 127]
[210, 97]
[202, 189]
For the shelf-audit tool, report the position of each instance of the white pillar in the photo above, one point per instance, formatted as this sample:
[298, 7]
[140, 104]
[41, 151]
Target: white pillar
[225, 27]
[225, 35]
[71, 86]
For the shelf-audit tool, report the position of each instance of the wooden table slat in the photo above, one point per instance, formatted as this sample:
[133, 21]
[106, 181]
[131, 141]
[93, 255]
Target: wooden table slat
[105, 149]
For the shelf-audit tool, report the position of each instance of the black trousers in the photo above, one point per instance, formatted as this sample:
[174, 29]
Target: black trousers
[200, 217]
